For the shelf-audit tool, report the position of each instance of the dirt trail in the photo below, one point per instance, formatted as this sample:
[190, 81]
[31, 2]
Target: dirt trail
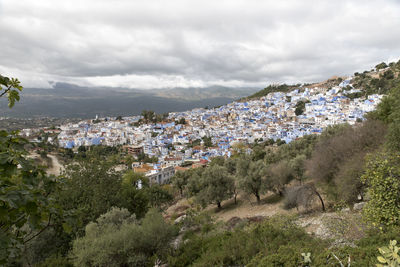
[56, 167]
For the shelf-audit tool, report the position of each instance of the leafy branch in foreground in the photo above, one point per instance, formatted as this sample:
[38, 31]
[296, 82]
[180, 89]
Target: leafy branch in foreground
[26, 205]
[10, 87]
[389, 255]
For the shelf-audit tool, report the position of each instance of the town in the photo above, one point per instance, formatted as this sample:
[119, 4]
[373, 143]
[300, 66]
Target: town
[200, 134]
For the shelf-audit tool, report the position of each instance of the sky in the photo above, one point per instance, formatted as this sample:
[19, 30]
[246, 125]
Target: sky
[189, 43]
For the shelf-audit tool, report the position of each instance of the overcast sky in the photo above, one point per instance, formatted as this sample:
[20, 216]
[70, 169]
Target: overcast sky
[169, 43]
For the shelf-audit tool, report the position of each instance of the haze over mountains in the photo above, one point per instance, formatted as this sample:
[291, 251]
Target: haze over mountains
[69, 100]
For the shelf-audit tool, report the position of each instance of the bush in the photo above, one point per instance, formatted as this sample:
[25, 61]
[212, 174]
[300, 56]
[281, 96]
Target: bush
[117, 239]
[382, 178]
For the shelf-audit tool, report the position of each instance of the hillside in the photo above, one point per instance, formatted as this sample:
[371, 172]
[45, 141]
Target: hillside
[318, 200]
[71, 101]
[379, 80]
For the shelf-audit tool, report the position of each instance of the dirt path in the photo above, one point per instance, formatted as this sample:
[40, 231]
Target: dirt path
[56, 167]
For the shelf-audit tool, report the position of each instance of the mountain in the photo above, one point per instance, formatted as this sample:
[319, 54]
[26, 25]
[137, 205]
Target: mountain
[66, 100]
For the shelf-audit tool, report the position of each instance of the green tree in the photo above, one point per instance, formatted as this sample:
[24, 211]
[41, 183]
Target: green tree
[300, 106]
[382, 177]
[216, 185]
[220, 161]
[134, 193]
[92, 187]
[280, 174]
[148, 116]
[381, 66]
[10, 87]
[159, 195]
[297, 165]
[251, 176]
[180, 180]
[26, 207]
[118, 239]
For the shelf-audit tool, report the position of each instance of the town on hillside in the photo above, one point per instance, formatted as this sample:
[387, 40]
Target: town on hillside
[200, 134]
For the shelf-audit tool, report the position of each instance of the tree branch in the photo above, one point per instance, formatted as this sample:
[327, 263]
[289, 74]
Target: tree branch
[5, 91]
[41, 231]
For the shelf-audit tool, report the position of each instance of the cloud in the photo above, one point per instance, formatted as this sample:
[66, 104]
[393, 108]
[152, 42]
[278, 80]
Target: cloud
[158, 43]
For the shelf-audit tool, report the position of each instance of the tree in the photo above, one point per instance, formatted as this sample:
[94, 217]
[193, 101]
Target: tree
[194, 184]
[251, 176]
[382, 177]
[331, 164]
[348, 182]
[300, 106]
[26, 207]
[280, 174]
[118, 239]
[230, 165]
[10, 87]
[381, 66]
[258, 153]
[207, 141]
[216, 185]
[180, 180]
[298, 167]
[92, 187]
[302, 196]
[134, 193]
[238, 148]
[148, 116]
[159, 195]
[220, 161]
[181, 121]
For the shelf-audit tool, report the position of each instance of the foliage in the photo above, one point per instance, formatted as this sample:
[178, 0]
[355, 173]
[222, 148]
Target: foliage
[280, 174]
[134, 193]
[207, 141]
[180, 180]
[271, 89]
[301, 196]
[389, 255]
[216, 185]
[159, 195]
[26, 208]
[251, 176]
[338, 158]
[117, 239]
[300, 106]
[381, 66]
[10, 87]
[92, 187]
[278, 244]
[382, 176]
[387, 79]
[142, 157]
[302, 146]
[181, 121]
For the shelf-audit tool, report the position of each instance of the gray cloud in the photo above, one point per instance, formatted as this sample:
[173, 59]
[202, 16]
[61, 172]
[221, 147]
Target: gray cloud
[158, 43]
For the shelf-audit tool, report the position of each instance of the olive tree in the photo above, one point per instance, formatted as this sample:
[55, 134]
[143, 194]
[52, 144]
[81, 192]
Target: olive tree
[216, 185]
[251, 176]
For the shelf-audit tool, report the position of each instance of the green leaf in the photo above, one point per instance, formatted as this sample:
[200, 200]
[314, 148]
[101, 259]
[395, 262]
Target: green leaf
[381, 259]
[67, 228]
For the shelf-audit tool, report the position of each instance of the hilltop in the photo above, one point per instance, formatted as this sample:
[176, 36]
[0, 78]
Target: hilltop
[378, 80]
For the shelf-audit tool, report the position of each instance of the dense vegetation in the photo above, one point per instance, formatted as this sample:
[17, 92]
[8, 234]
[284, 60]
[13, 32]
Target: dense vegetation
[271, 89]
[382, 81]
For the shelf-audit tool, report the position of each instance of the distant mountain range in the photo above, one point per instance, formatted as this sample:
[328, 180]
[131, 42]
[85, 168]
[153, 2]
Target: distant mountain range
[71, 101]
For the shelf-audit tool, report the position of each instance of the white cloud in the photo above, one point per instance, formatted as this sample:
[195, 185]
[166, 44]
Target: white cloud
[158, 43]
